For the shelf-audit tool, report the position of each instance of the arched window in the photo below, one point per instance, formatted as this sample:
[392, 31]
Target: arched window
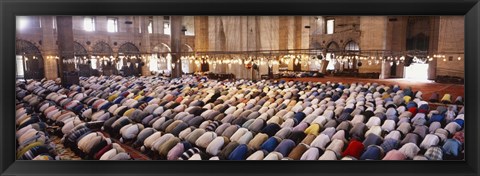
[331, 48]
[100, 50]
[29, 60]
[352, 46]
[185, 60]
[158, 61]
[132, 60]
[80, 53]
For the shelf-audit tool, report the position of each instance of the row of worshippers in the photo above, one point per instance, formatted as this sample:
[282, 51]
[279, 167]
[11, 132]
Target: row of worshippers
[187, 118]
[419, 120]
[32, 139]
[83, 138]
[291, 74]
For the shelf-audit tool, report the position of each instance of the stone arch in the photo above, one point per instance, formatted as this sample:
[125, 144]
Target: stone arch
[158, 51]
[81, 54]
[331, 50]
[351, 45]
[333, 46]
[161, 48]
[26, 47]
[78, 49]
[187, 48]
[128, 48]
[34, 65]
[102, 49]
[131, 64]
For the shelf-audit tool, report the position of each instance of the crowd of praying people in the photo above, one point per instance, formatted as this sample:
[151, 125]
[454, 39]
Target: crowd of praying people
[196, 118]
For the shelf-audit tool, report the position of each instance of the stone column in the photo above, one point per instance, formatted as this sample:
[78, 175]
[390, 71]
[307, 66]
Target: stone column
[451, 44]
[433, 46]
[145, 39]
[49, 48]
[175, 40]
[373, 37]
[65, 48]
[385, 70]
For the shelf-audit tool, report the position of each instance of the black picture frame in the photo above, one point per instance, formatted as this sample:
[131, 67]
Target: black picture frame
[9, 9]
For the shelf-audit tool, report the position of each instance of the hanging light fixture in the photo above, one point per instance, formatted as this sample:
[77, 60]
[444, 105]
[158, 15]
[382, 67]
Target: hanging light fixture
[173, 65]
